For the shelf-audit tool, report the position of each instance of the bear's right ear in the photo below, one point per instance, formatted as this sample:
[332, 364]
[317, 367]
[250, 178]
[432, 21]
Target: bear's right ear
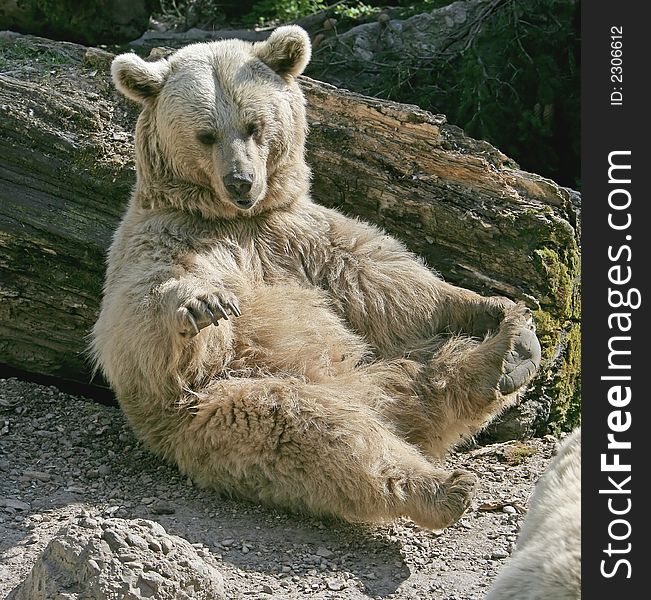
[137, 79]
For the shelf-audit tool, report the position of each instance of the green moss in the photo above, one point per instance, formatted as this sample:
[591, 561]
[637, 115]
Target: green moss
[517, 454]
[19, 51]
[558, 327]
[560, 282]
[566, 409]
[561, 346]
[561, 264]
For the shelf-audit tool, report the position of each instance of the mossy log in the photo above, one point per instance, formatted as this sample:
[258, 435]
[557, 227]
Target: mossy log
[66, 170]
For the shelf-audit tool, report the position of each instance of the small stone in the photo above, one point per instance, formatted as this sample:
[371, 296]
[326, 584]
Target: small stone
[127, 557]
[161, 507]
[324, 552]
[166, 545]
[88, 522]
[114, 540]
[15, 504]
[94, 566]
[136, 541]
[267, 589]
[100, 59]
[157, 528]
[104, 470]
[509, 509]
[37, 475]
[153, 579]
[227, 542]
[335, 585]
[499, 554]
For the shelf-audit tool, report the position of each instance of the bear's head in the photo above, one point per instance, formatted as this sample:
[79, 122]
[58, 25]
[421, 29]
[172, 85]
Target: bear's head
[222, 127]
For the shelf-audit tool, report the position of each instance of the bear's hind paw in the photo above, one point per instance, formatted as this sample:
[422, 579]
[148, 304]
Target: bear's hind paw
[521, 362]
[443, 502]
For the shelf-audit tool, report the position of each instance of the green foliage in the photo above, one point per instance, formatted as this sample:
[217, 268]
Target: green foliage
[511, 77]
[408, 8]
[516, 85]
[353, 10]
[282, 11]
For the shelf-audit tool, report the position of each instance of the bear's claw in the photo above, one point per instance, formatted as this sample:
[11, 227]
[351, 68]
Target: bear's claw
[206, 308]
[522, 362]
[234, 309]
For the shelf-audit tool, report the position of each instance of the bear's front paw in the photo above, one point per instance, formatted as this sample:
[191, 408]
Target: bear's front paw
[523, 359]
[204, 308]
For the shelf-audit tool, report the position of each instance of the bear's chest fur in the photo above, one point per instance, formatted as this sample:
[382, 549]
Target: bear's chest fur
[270, 248]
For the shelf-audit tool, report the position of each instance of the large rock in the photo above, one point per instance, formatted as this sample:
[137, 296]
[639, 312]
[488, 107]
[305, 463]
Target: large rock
[123, 560]
[372, 48]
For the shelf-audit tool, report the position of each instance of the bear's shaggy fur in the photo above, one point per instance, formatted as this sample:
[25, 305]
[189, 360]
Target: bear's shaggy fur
[273, 348]
[547, 562]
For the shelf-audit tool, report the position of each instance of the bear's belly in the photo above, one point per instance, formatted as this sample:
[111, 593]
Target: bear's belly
[289, 329]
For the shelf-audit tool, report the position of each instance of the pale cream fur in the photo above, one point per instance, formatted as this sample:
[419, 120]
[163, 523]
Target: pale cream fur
[351, 365]
[547, 562]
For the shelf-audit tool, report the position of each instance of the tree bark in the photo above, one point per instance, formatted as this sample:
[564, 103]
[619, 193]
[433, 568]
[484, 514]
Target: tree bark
[66, 170]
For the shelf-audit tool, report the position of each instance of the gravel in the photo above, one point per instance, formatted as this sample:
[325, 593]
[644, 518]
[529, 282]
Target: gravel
[66, 461]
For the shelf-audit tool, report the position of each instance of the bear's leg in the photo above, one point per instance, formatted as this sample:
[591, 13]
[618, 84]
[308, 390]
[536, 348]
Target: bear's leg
[313, 447]
[457, 387]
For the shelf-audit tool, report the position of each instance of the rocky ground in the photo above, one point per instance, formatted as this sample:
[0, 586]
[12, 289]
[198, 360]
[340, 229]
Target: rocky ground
[67, 461]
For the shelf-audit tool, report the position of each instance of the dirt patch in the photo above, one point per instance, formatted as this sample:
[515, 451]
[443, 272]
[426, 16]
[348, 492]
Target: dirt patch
[64, 457]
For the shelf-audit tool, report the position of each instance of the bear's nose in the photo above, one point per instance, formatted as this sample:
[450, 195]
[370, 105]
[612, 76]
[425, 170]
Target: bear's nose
[238, 184]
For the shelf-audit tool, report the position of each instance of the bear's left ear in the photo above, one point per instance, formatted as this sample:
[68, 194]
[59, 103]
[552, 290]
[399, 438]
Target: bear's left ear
[137, 79]
[287, 50]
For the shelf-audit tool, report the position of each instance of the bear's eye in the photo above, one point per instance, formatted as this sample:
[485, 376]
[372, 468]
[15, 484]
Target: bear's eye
[253, 129]
[207, 137]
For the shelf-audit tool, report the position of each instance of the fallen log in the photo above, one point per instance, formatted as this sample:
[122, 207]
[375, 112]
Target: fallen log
[66, 170]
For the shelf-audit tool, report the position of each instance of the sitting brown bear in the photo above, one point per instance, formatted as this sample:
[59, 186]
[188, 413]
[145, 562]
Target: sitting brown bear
[273, 348]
